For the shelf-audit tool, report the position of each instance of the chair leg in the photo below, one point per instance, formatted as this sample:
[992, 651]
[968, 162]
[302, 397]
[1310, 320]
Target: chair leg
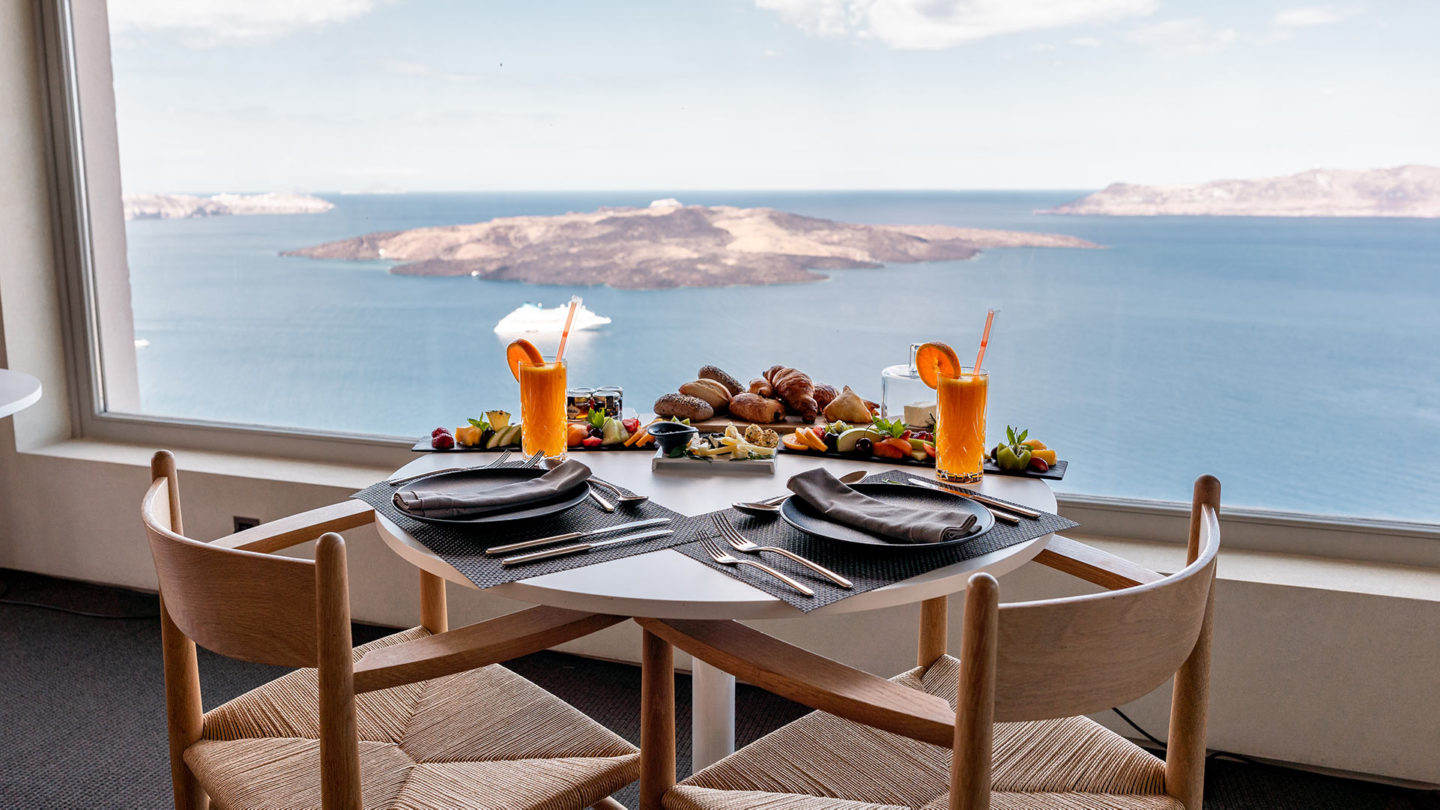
[608, 803]
[184, 717]
[657, 720]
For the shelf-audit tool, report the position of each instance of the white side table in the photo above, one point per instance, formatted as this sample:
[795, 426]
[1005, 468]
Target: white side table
[17, 391]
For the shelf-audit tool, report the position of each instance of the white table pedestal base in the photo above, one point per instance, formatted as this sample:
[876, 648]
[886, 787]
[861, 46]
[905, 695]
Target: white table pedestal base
[712, 715]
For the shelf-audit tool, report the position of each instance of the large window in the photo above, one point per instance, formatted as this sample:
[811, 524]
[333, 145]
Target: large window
[1294, 356]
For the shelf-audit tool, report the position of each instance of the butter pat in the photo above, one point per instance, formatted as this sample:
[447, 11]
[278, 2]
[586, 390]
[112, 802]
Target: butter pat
[920, 414]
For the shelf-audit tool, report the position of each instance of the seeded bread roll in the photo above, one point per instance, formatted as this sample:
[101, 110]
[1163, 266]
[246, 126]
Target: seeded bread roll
[757, 409]
[714, 394]
[683, 406]
[718, 375]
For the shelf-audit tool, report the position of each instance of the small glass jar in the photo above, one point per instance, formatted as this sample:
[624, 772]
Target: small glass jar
[903, 395]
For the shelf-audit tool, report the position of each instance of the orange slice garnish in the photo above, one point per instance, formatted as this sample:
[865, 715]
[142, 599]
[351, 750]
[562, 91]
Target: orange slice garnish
[519, 351]
[936, 360]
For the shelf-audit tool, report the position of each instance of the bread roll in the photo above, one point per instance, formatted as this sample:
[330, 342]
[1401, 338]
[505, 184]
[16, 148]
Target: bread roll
[683, 406]
[731, 384]
[757, 409]
[711, 391]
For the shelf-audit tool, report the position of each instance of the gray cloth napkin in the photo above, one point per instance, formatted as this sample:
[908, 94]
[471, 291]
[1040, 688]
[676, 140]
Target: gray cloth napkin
[563, 480]
[904, 524]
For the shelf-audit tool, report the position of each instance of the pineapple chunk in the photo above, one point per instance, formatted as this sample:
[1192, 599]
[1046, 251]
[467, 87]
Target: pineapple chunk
[498, 419]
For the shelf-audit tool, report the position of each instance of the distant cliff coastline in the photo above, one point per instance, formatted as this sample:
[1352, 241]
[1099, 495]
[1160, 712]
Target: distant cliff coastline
[184, 206]
[1405, 191]
[669, 245]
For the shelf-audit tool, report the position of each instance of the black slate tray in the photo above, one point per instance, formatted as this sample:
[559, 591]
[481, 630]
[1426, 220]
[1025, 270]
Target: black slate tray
[1055, 473]
[423, 446]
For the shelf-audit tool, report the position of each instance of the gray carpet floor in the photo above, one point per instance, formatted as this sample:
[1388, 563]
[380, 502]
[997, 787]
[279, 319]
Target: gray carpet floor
[82, 710]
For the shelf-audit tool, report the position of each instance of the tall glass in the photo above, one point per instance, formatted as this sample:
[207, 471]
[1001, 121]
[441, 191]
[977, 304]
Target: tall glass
[542, 407]
[960, 428]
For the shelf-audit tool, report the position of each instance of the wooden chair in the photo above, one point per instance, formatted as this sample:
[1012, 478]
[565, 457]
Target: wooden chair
[1001, 726]
[422, 718]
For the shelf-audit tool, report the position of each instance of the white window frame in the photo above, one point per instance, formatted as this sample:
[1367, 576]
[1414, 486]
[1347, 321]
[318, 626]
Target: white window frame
[91, 254]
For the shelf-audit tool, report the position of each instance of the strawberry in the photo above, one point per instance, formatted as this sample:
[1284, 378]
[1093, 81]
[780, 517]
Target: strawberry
[443, 441]
[930, 449]
[593, 442]
[438, 431]
[631, 425]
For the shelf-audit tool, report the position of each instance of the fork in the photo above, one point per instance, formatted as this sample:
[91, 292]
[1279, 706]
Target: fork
[394, 482]
[724, 557]
[743, 544]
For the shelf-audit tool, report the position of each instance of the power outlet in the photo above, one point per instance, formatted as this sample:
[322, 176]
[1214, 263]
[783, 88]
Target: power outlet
[243, 523]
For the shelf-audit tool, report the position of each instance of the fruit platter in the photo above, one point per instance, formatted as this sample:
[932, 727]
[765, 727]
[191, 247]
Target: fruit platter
[497, 432]
[891, 441]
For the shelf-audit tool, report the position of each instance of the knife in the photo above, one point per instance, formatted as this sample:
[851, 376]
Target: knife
[987, 500]
[1000, 514]
[560, 538]
[578, 547]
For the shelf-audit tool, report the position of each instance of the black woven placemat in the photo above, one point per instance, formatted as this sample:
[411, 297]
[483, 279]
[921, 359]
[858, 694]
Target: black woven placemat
[868, 570]
[464, 547]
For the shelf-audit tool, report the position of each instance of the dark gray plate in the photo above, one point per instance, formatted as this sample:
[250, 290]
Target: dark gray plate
[469, 480]
[807, 519]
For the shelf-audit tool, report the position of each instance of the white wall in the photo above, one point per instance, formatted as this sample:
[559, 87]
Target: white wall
[1305, 674]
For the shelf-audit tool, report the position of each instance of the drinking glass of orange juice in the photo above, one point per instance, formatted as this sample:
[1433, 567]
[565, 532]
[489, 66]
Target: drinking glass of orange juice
[960, 412]
[542, 407]
[960, 425]
[542, 399]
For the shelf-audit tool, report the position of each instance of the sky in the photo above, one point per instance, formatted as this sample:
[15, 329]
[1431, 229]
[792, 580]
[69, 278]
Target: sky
[443, 95]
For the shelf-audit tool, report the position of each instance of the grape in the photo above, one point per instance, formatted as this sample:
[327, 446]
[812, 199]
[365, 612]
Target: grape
[864, 445]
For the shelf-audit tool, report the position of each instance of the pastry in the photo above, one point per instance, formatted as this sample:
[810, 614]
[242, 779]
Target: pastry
[714, 394]
[824, 395]
[795, 389]
[755, 408]
[761, 387]
[848, 408]
[683, 406]
[731, 384]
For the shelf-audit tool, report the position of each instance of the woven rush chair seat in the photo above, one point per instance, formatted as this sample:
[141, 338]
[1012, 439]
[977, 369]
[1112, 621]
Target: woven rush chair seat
[482, 738]
[824, 762]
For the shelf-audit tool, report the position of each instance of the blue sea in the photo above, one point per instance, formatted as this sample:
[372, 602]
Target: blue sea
[1297, 359]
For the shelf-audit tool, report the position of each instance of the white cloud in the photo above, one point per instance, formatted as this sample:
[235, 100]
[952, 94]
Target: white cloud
[1306, 16]
[1085, 42]
[1042, 47]
[932, 24]
[1184, 37]
[207, 22]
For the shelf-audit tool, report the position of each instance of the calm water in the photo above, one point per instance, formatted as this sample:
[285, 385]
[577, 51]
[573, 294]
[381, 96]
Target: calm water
[1294, 358]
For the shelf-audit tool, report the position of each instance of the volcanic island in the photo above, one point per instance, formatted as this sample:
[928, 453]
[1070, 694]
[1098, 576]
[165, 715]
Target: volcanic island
[669, 245]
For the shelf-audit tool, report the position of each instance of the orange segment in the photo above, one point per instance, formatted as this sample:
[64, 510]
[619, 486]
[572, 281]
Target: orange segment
[522, 350]
[936, 360]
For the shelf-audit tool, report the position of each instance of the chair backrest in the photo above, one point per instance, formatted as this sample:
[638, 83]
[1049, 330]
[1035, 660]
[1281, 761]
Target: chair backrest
[255, 607]
[1083, 654]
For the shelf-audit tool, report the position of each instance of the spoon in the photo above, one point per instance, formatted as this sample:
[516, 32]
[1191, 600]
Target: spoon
[619, 494]
[770, 507]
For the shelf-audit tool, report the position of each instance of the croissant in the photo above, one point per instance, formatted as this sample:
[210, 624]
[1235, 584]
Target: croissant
[795, 389]
[825, 394]
[761, 387]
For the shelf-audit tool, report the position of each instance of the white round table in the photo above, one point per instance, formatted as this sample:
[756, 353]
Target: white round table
[669, 585]
[17, 392]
